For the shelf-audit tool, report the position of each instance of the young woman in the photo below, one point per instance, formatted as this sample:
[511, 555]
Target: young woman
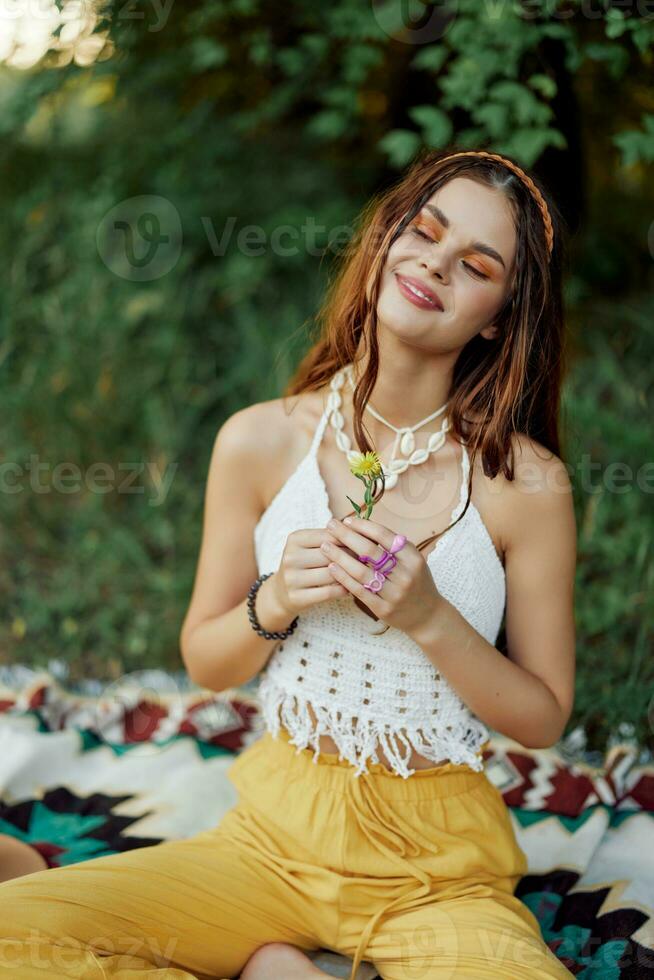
[365, 821]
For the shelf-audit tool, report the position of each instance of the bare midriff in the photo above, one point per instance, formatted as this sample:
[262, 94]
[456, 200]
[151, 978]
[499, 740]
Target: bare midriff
[416, 760]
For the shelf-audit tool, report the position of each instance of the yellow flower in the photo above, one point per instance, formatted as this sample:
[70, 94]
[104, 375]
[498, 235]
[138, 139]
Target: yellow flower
[367, 465]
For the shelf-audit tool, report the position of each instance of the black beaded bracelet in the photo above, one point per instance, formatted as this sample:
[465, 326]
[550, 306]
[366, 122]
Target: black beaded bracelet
[252, 616]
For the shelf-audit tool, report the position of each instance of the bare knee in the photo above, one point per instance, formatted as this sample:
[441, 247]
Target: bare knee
[18, 858]
[274, 960]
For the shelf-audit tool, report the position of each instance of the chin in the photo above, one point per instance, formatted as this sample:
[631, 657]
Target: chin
[404, 319]
[422, 342]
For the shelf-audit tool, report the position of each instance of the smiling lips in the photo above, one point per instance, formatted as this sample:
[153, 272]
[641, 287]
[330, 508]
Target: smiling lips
[418, 293]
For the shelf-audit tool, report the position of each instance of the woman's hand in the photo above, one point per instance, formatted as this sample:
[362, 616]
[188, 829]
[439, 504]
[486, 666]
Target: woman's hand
[407, 598]
[302, 579]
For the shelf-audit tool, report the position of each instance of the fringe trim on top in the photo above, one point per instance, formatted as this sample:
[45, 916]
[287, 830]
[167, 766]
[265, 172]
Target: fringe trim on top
[358, 742]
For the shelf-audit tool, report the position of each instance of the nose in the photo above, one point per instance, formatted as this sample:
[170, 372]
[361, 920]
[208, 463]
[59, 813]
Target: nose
[436, 264]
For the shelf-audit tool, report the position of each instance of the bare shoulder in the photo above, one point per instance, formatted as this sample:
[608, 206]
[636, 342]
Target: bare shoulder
[540, 493]
[270, 437]
[537, 470]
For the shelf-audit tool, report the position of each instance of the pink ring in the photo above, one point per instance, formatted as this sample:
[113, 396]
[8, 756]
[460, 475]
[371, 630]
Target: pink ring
[381, 564]
[376, 582]
[384, 564]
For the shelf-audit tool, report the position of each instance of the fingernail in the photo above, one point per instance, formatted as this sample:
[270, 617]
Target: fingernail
[347, 520]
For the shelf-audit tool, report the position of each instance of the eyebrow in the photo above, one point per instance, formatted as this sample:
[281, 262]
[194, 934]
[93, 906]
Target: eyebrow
[478, 246]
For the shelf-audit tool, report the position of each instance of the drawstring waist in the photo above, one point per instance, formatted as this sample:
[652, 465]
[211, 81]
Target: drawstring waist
[378, 822]
[332, 774]
[367, 796]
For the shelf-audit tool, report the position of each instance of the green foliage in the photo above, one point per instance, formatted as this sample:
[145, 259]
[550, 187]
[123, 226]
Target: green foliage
[246, 125]
[609, 435]
[434, 123]
[637, 145]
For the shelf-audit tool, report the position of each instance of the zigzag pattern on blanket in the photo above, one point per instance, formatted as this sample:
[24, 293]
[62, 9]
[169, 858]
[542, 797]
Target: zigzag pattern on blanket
[585, 826]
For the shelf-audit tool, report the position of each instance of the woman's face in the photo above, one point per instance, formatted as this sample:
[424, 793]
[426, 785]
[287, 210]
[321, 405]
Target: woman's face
[459, 248]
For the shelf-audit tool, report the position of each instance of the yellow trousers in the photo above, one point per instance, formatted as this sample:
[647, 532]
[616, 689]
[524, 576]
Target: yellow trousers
[414, 875]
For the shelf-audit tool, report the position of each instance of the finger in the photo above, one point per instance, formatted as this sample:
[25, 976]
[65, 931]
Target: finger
[326, 592]
[355, 586]
[355, 569]
[313, 557]
[321, 593]
[360, 534]
[313, 537]
[310, 578]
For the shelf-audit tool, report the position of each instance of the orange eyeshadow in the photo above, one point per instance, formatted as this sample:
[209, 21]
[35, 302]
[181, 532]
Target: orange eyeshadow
[434, 226]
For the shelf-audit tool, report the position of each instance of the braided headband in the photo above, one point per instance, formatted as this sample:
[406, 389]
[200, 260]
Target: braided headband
[527, 181]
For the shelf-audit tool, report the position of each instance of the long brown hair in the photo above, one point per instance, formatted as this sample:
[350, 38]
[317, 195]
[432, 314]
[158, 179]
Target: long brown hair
[510, 384]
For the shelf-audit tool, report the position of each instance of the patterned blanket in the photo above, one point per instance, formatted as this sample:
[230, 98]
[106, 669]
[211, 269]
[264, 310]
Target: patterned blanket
[145, 760]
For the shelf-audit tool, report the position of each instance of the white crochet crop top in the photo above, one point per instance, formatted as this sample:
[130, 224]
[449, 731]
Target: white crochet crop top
[334, 662]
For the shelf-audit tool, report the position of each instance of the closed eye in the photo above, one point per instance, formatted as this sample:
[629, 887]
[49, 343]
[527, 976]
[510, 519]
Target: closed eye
[470, 268]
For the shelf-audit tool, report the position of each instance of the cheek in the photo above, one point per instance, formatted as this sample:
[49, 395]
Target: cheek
[396, 255]
[400, 251]
[480, 301]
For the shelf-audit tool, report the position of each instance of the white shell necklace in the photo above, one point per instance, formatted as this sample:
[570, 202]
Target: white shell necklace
[404, 438]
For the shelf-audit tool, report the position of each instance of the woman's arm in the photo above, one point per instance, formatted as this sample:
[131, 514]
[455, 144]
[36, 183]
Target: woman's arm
[217, 643]
[224, 651]
[528, 696]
